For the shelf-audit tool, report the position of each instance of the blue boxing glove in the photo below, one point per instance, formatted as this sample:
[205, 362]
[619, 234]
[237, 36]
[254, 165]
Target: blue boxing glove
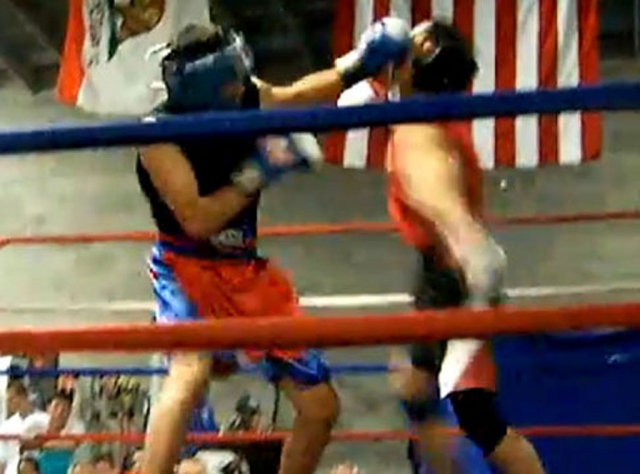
[274, 157]
[386, 42]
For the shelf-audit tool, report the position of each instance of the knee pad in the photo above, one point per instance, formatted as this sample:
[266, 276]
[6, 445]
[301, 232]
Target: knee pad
[479, 418]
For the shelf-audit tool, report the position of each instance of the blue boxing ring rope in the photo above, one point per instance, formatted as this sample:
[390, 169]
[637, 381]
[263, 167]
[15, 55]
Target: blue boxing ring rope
[576, 362]
[613, 96]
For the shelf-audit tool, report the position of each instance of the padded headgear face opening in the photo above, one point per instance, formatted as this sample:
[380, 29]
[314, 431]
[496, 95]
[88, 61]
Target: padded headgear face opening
[205, 69]
[449, 65]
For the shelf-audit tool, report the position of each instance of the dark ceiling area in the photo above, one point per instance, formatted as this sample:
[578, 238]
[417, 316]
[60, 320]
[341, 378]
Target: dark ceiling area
[31, 36]
[289, 37]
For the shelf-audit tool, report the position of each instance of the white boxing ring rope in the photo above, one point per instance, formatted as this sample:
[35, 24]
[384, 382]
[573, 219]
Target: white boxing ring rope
[364, 300]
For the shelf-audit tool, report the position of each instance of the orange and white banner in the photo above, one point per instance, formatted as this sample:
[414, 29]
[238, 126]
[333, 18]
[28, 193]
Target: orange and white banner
[520, 44]
[105, 68]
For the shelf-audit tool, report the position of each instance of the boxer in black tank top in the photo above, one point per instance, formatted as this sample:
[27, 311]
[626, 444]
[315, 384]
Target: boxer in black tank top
[213, 161]
[203, 196]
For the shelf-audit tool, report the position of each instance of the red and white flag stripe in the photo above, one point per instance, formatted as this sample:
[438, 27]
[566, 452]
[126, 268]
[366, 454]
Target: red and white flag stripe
[520, 44]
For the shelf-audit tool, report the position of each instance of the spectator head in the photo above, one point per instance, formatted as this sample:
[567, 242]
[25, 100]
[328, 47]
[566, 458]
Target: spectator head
[108, 385]
[28, 465]
[191, 466]
[17, 397]
[104, 464]
[82, 467]
[59, 410]
[346, 468]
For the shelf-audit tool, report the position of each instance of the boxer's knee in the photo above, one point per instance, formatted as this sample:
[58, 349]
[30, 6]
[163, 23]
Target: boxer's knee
[419, 395]
[187, 378]
[416, 388]
[316, 404]
[479, 418]
[412, 383]
[306, 381]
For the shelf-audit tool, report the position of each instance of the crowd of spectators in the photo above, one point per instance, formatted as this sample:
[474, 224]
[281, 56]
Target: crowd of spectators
[27, 419]
[36, 409]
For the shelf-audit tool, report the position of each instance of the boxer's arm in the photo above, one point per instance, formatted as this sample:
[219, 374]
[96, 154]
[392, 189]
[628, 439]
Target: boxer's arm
[322, 86]
[173, 177]
[384, 43]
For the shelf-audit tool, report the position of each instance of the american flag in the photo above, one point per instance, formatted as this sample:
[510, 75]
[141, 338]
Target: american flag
[519, 44]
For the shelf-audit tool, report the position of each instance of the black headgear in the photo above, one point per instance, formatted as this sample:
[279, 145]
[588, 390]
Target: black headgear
[202, 62]
[451, 66]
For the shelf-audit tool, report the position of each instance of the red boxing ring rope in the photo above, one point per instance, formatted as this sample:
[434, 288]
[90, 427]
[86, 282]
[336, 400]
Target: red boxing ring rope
[342, 436]
[297, 332]
[319, 228]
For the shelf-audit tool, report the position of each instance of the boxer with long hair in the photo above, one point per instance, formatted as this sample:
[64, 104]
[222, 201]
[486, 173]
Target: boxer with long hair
[435, 197]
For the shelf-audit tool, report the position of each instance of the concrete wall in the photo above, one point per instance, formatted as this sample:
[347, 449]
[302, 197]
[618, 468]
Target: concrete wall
[95, 191]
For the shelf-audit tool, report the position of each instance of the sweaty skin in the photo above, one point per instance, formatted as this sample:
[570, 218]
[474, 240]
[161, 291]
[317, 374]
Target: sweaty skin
[429, 169]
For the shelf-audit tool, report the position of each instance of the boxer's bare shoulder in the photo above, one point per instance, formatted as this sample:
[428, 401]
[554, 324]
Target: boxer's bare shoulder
[424, 160]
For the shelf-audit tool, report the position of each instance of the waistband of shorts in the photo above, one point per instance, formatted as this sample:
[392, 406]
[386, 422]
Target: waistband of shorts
[186, 247]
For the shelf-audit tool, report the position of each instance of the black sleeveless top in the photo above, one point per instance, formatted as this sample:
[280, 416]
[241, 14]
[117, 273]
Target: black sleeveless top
[213, 161]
